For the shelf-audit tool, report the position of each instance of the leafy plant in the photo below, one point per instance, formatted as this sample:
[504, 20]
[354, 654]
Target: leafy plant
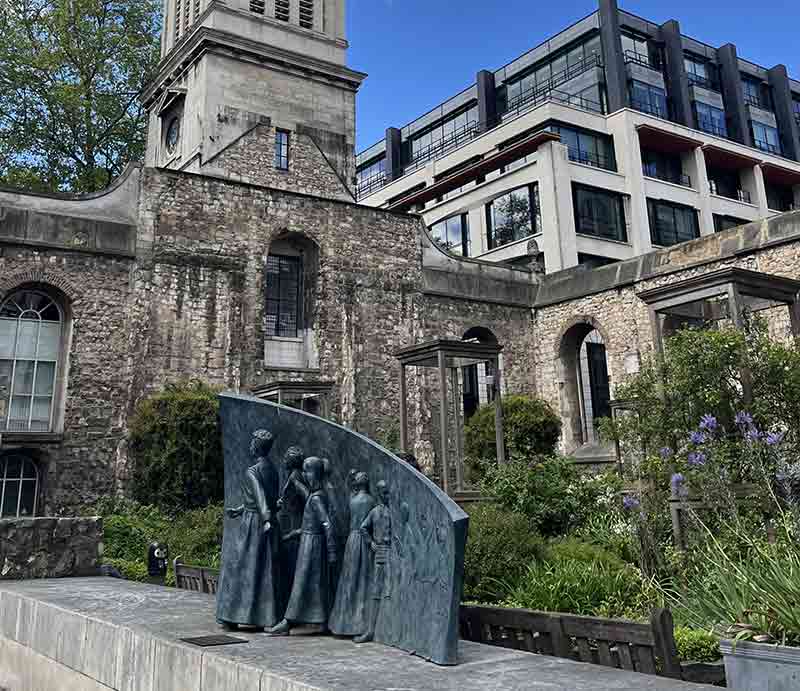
[696, 645]
[530, 428]
[550, 491]
[500, 547]
[176, 447]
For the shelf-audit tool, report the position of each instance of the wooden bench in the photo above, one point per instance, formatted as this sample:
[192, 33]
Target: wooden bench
[629, 645]
[197, 578]
[646, 648]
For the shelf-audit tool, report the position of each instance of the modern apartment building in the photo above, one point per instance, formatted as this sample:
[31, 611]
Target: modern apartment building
[614, 137]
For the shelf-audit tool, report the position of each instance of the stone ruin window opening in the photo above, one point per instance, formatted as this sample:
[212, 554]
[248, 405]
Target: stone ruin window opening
[19, 486]
[31, 331]
[477, 379]
[282, 149]
[290, 285]
[594, 384]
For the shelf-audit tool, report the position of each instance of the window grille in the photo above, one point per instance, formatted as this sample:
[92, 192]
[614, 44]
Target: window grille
[282, 10]
[283, 290]
[187, 15]
[178, 14]
[307, 14]
[257, 6]
[196, 9]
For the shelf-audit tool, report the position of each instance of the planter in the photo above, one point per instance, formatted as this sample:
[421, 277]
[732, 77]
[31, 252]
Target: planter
[761, 667]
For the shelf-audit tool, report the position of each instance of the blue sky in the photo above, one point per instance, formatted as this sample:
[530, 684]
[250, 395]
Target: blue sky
[419, 52]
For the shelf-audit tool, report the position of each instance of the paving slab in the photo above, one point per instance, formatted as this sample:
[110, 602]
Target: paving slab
[132, 641]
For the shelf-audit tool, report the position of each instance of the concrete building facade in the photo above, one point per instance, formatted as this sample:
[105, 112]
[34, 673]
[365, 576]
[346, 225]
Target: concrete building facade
[659, 139]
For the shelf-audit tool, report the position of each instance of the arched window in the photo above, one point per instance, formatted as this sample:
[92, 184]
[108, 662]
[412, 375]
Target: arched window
[19, 486]
[30, 346]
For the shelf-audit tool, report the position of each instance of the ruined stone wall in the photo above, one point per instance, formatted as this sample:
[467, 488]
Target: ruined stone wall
[50, 547]
[200, 284]
[251, 158]
[77, 462]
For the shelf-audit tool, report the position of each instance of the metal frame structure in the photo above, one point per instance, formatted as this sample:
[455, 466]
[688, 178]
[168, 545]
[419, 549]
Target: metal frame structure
[448, 356]
[283, 391]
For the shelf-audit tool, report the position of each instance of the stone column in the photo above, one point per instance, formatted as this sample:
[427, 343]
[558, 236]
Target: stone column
[394, 154]
[784, 114]
[616, 76]
[487, 100]
[735, 107]
[699, 177]
[675, 73]
[759, 189]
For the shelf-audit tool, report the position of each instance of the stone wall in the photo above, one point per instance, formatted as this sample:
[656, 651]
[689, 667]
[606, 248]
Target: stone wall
[50, 547]
[251, 158]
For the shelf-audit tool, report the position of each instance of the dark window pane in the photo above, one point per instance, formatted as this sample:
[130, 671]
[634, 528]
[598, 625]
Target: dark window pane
[10, 498]
[283, 288]
[28, 498]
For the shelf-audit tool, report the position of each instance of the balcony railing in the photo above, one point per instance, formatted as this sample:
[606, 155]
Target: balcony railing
[709, 126]
[769, 148]
[442, 146]
[369, 185]
[643, 60]
[703, 82]
[651, 108]
[754, 101]
[541, 92]
[739, 195]
[666, 176]
[590, 158]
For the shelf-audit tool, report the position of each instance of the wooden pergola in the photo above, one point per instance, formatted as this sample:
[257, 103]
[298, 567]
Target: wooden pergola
[448, 356]
[286, 392]
[728, 293]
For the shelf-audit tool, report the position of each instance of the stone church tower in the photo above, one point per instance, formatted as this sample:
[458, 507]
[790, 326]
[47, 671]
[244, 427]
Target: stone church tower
[231, 66]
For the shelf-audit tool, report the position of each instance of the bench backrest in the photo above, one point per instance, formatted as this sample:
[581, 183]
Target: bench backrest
[647, 648]
[195, 578]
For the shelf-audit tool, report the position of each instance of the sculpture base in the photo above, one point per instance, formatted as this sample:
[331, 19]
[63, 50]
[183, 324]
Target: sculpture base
[95, 634]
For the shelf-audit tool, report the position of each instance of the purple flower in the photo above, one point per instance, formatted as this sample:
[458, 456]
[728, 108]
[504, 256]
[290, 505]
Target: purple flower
[677, 481]
[630, 503]
[708, 422]
[744, 419]
[775, 438]
[666, 453]
[697, 438]
[753, 435]
[697, 459]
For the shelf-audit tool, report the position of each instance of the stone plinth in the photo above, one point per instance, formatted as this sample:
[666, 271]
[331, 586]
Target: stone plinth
[88, 634]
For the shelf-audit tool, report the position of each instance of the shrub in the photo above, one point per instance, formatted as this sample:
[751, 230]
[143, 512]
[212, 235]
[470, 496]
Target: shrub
[594, 588]
[572, 549]
[695, 645]
[130, 570]
[176, 448]
[501, 545]
[549, 491]
[530, 427]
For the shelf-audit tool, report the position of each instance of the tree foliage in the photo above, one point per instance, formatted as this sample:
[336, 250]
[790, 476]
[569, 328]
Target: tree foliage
[176, 448]
[71, 73]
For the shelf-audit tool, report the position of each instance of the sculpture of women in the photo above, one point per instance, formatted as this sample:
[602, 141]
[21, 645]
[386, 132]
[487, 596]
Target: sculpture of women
[247, 586]
[311, 596]
[349, 615]
[292, 503]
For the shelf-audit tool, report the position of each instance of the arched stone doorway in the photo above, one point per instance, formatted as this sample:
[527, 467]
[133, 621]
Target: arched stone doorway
[585, 383]
[477, 380]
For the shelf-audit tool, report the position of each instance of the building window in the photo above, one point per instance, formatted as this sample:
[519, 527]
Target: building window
[178, 15]
[282, 10]
[664, 166]
[307, 14]
[710, 119]
[751, 89]
[371, 177]
[599, 213]
[446, 134]
[281, 149]
[30, 348]
[650, 99]
[766, 138]
[452, 234]
[19, 487]
[796, 108]
[671, 223]
[699, 72]
[257, 6]
[634, 44]
[587, 147]
[726, 183]
[514, 216]
[725, 222]
[284, 295]
[780, 197]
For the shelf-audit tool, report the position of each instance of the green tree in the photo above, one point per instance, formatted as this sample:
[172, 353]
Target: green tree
[71, 73]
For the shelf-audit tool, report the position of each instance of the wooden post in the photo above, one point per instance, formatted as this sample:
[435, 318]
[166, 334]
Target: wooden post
[737, 316]
[403, 410]
[498, 415]
[663, 632]
[458, 429]
[794, 318]
[656, 326]
[443, 416]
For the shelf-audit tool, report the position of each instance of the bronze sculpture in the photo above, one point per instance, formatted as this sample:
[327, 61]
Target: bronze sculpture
[349, 614]
[291, 504]
[311, 596]
[248, 581]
